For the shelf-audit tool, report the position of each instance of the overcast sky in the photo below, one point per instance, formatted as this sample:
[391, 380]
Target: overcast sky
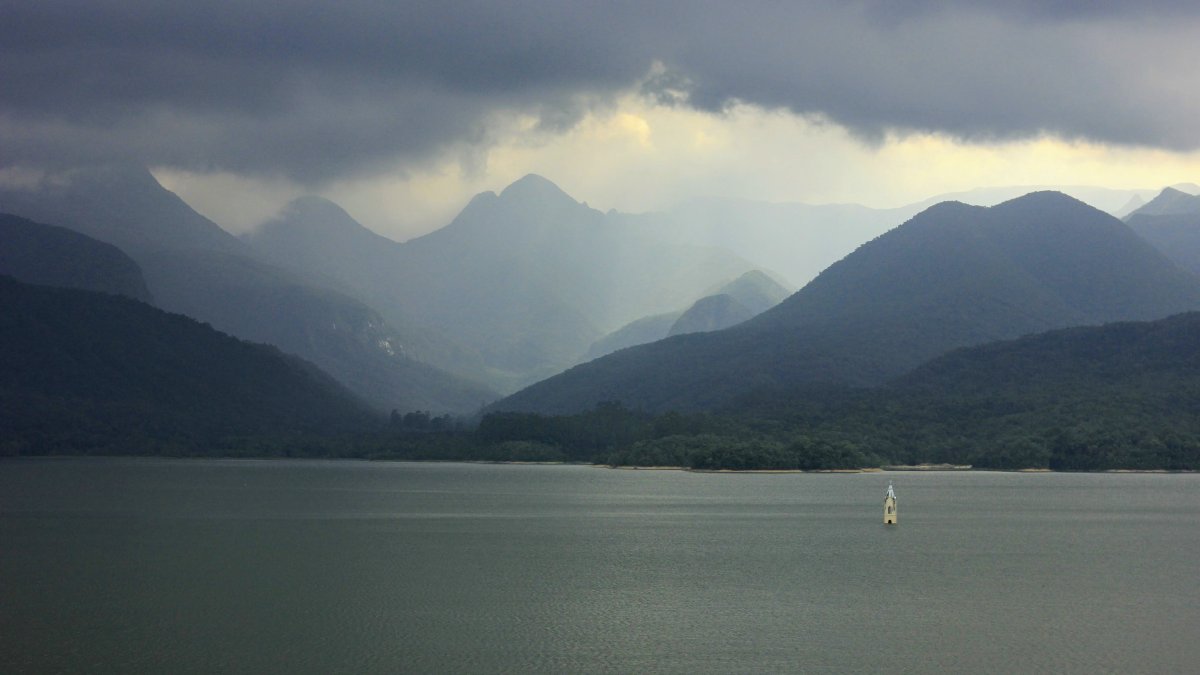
[401, 110]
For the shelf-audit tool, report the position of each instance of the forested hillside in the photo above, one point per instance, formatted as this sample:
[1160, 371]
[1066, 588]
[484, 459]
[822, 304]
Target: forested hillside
[1119, 396]
[84, 372]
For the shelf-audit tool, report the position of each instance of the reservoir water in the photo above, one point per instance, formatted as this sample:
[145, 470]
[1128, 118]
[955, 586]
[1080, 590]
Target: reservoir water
[196, 566]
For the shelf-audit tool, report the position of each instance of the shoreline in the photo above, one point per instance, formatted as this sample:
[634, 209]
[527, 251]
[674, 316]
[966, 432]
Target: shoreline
[928, 467]
[900, 468]
[769, 471]
[950, 468]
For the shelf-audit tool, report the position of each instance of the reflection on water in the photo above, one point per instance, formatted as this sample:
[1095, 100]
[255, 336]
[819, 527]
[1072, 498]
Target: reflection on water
[355, 567]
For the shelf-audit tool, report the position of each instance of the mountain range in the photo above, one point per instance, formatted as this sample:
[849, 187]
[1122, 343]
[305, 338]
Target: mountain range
[798, 241]
[954, 275]
[193, 267]
[526, 282]
[526, 279]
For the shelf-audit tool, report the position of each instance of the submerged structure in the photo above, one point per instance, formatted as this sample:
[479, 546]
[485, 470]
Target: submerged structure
[889, 507]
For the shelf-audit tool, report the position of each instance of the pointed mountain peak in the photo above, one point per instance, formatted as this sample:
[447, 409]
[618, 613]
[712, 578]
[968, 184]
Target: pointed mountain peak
[711, 313]
[1170, 202]
[757, 277]
[1135, 202]
[950, 207]
[755, 282]
[1172, 193]
[120, 203]
[315, 206]
[1049, 204]
[534, 188]
[482, 199]
[756, 290]
[1044, 198]
[315, 215]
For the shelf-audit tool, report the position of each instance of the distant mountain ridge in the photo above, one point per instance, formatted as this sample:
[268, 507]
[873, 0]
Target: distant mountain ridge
[120, 204]
[952, 276]
[194, 267]
[710, 313]
[799, 240]
[747, 296]
[642, 331]
[1171, 223]
[731, 303]
[1170, 202]
[794, 240]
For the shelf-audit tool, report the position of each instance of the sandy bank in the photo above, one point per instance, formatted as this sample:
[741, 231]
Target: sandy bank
[927, 467]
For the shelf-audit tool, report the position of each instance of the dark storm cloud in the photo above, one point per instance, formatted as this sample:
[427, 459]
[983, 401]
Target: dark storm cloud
[316, 90]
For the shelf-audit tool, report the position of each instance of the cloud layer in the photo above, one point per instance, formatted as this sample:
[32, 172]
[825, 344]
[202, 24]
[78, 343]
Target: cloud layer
[316, 91]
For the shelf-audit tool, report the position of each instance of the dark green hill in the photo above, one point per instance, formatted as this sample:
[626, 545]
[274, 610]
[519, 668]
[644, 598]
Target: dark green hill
[88, 372]
[1123, 395]
[1129, 356]
[1119, 396]
[54, 256]
[952, 276]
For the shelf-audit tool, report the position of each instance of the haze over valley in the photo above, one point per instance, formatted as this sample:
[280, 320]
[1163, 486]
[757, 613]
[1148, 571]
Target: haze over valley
[528, 282]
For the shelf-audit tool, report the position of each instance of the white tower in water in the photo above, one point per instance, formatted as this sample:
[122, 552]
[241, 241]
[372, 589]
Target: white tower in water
[889, 507]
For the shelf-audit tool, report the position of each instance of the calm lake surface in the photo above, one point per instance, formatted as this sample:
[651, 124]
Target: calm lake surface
[192, 566]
